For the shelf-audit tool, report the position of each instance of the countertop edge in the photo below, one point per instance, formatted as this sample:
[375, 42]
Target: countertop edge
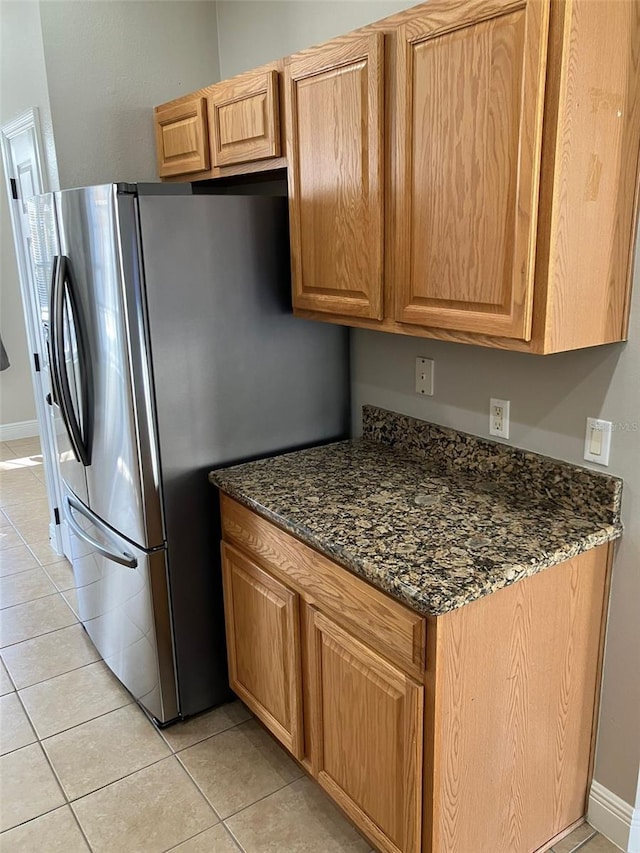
[603, 533]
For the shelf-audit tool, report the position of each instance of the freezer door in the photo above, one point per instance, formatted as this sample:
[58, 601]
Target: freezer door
[59, 344]
[123, 604]
[105, 395]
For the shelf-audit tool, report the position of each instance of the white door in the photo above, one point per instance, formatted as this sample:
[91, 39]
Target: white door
[22, 159]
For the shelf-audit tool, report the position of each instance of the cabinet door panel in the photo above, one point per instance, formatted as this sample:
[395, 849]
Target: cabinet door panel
[366, 735]
[334, 100]
[263, 646]
[470, 99]
[245, 123]
[182, 141]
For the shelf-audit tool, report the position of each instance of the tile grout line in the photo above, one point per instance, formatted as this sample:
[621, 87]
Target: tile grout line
[584, 841]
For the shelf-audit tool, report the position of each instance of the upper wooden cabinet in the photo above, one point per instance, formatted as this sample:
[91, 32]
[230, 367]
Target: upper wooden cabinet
[512, 142]
[470, 94]
[245, 118]
[335, 145]
[225, 129]
[465, 169]
[182, 138]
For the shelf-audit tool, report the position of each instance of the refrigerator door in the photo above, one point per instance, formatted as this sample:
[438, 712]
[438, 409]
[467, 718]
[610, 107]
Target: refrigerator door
[104, 386]
[123, 604]
[45, 255]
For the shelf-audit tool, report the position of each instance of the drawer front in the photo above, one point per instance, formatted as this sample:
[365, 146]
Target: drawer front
[245, 119]
[182, 139]
[381, 622]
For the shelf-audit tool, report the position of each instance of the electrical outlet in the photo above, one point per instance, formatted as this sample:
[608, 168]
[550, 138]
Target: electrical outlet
[499, 417]
[424, 376]
[597, 441]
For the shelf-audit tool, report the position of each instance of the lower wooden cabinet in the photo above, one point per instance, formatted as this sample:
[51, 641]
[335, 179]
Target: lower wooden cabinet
[366, 735]
[263, 644]
[469, 732]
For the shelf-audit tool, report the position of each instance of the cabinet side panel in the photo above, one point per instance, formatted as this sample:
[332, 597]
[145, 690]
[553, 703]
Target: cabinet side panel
[595, 178]
[517, 682]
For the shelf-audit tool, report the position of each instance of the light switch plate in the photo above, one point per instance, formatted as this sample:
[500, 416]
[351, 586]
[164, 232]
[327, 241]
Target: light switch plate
[597, 441]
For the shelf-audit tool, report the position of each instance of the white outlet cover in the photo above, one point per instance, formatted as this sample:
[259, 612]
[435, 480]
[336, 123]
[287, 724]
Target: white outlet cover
[503, 430]
[597, 441]
[424, 376]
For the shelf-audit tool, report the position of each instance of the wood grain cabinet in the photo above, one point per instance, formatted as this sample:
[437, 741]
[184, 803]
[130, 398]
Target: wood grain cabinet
[512, 142]
[182, 138]
[468, 731]
[245, 118]
[226, 129]
[366, 725]
[263, 642]
[335, 146]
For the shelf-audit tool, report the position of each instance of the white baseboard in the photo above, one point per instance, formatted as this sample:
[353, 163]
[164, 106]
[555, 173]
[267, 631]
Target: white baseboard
[20, 429]
[614, 818]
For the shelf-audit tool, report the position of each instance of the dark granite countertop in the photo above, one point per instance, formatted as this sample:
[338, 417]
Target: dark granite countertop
[434, 517]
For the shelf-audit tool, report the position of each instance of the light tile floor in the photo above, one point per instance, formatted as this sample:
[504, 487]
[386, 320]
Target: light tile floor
[81, 766]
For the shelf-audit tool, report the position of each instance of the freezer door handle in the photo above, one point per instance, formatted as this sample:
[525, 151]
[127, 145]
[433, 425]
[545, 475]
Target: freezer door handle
[62, 288]
[124, 558]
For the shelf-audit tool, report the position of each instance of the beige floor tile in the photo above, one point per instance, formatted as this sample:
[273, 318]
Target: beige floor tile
[55, 832]
[71, 597]
[19, 486]
[15, 728]
[10, 538]
[6, 685]
[44, 553]
[50, 655]
[238, 767]
[33, 619]
[6, 453]
[215, 840]
[182, 735]
[33, 789]
[25, 586]
[599, 844]
[299, 819]
[154, 809]
[104, 750]
[61, 574]
[33, 530]
[15, 560]
[26, 511]
[73, 698]
[579, 835]
[29, 446]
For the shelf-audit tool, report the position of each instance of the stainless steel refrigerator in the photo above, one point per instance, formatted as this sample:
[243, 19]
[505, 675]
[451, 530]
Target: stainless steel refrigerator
[172, 350]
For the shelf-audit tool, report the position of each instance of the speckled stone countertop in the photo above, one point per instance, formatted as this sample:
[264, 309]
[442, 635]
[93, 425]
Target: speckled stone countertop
[434, 517]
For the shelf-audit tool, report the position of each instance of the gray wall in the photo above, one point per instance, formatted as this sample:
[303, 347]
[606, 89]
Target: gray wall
[108, 63]
[550, 396]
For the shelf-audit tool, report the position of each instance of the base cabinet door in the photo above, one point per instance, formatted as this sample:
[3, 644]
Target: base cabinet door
[366, 735]
[263, 646]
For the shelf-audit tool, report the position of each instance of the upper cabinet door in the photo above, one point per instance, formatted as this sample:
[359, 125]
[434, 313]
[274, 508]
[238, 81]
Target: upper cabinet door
[470, 97]
[182, 141]
[245, 118]
[335, 112]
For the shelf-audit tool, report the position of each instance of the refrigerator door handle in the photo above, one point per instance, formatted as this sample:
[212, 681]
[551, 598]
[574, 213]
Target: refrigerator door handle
[62, 287]
[124, 558]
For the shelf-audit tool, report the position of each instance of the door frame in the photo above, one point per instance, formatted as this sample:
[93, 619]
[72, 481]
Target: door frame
[29, 122]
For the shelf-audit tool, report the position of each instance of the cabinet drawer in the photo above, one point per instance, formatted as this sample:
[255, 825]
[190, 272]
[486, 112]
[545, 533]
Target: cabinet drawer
[383, 623]
[182, 139]
[245, 119]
